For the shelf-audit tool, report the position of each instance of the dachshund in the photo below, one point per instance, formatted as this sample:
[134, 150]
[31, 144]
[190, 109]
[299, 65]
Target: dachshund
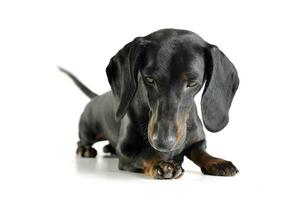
[149, 117]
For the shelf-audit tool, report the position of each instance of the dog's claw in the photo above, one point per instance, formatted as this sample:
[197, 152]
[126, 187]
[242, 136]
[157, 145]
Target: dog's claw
[167, 170]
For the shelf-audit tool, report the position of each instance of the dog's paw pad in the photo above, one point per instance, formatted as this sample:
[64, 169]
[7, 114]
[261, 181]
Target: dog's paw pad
[220, 168]
[167, 170]
[86, 152]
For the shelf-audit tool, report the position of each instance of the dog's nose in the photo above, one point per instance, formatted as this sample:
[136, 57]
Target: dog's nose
[164, 144]
[164, 139]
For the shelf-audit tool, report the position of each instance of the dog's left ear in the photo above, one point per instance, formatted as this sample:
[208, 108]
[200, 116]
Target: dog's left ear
[221, 84]
[122, 74]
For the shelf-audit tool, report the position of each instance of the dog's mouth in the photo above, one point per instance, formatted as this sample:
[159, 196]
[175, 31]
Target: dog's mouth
[158, 148]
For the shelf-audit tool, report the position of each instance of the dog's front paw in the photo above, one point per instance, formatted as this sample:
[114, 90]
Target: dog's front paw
[167, 170]
[219, 167]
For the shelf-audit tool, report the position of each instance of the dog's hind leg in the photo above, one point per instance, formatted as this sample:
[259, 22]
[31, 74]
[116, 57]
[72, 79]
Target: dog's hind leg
[87, 138]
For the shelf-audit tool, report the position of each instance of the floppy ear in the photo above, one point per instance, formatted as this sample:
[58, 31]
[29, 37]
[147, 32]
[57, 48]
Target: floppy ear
[122, 74]
[221, 84]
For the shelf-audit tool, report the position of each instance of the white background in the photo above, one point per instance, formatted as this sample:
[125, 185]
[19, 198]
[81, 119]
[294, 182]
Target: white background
[40, 107]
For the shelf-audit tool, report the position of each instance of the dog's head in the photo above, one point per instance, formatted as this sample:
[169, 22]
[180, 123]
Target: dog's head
[171, 66]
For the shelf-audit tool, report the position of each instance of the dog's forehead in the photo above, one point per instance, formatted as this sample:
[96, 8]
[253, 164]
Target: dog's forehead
[174, 58]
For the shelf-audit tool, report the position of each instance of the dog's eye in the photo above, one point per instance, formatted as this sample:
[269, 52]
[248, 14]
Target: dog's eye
[149, 80]
[192, 84]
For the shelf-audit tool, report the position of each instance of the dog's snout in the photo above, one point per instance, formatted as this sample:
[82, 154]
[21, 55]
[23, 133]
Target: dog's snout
[168, 128]
[164, 144]
[164, 138]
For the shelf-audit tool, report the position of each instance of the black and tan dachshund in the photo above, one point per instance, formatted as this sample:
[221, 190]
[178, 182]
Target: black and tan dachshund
[150, 118]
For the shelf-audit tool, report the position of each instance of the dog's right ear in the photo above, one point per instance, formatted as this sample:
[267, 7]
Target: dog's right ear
[122, 74]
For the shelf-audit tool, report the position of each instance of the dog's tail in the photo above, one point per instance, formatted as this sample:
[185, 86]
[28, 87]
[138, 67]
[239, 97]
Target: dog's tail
[79, 84]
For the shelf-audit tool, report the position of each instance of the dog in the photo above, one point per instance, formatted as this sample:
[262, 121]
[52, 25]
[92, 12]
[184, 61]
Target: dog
[149, 117]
